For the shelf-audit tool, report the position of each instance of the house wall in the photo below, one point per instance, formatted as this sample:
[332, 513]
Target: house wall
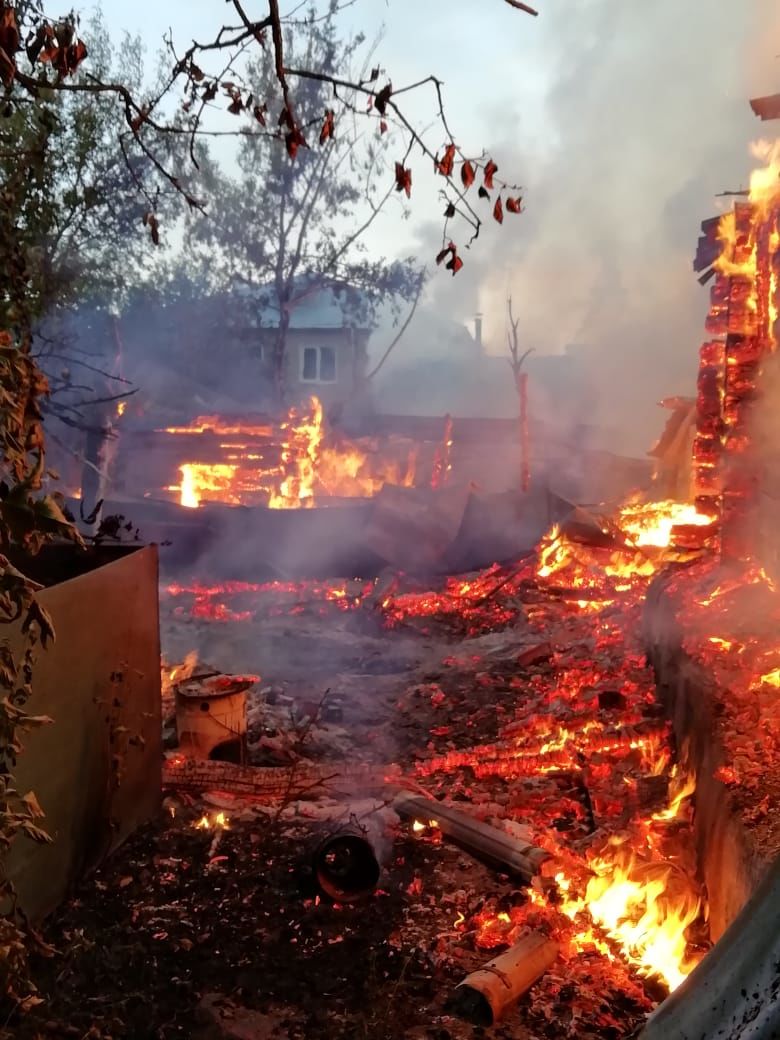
[351, 356]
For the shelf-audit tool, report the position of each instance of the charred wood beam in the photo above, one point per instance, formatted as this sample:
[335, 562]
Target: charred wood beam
[488, 993]
[480, 839]
[274, 784]
[709, 247]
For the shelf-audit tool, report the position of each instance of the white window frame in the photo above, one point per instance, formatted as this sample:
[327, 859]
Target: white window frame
[318, 379]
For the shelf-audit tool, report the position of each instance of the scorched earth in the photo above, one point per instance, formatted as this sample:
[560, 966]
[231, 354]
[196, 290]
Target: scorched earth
[519, 695]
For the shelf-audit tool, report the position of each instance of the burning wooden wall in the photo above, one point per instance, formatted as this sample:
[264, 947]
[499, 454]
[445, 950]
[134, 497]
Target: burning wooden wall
[253, 461]
[741, 252]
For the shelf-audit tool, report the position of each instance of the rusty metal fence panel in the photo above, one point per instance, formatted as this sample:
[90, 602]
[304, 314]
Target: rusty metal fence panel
[96, 770]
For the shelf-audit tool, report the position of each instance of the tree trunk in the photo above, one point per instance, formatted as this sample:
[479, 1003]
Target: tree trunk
[279, 358]
[525, 462]
[98, 455]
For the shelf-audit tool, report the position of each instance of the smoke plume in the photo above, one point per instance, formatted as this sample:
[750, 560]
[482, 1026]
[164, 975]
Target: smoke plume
[647, 119]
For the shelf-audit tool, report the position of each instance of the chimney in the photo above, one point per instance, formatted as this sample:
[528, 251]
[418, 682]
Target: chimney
[478, 329]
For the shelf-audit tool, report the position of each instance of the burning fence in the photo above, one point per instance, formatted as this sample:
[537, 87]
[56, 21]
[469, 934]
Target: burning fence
[287, 465]
[243, 461]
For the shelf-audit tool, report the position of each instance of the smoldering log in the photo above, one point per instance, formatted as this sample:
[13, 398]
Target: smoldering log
[480, 839]
[273, 784]
[487, 994]
[346, 864]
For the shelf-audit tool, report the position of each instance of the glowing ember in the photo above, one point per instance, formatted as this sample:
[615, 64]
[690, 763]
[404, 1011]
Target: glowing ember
[624, 897]
[628, 894]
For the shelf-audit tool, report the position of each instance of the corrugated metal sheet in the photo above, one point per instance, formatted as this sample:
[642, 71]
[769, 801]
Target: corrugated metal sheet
[733, 994]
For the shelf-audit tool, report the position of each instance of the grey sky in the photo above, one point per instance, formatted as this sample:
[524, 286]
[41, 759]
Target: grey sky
[621, 118]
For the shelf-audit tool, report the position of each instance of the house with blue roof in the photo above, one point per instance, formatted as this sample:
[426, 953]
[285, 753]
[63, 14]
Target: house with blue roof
[327, 338]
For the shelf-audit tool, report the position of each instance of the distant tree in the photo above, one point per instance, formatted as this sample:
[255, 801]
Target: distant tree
[287, 230]
[516, 360]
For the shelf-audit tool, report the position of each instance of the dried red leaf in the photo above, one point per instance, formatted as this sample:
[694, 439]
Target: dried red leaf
[259, 112]
[9, 31]
[139, 119]
[449, 212]
[454, 264]
[196, 73]
[294, 140]
[515, 205]
[446, 164]
[36, 44]
[498, 211]
[74, 55]
[403, 179]
[483, 192]
[236, 106]
[150, 221]
[490, 170]
[382, 126]
[328, 125]
[467, 174]
[382, 98]
[51, 51]
[445, 252]
[285, 119]
[7, 69]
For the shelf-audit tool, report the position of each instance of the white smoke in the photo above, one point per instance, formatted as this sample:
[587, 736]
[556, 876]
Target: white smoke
[648, 120]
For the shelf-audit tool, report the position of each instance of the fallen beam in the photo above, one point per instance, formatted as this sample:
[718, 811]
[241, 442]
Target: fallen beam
[733, 992]
[275, 783]
[481, 839]
[485, 996]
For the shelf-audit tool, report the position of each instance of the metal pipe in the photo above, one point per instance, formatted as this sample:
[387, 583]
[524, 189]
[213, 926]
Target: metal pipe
[346, 865]
[479, 838]
[487, 994]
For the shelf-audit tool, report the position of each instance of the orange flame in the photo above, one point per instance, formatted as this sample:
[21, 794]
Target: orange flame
[309, 467]
[216, 822]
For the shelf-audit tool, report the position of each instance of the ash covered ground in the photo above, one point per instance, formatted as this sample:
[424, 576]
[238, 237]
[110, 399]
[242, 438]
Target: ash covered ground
[525, 704]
